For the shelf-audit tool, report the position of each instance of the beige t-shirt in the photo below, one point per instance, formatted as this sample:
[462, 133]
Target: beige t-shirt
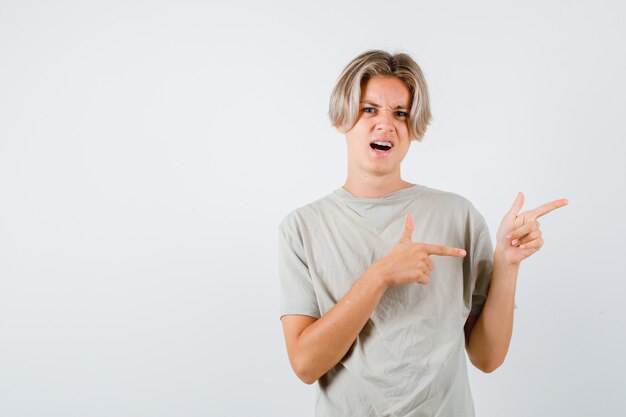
[409, 359]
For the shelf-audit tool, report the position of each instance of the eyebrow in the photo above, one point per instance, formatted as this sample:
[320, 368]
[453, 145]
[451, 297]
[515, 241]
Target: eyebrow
[371, 103]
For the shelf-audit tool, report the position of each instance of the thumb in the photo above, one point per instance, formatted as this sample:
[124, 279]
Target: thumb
[407, 234]
[517, 205]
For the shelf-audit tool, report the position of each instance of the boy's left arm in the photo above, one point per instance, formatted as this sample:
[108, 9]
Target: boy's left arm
[488, 334]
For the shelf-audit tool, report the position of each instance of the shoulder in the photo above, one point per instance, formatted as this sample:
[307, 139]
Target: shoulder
[309, 214]
[447, 200]
[455, 207]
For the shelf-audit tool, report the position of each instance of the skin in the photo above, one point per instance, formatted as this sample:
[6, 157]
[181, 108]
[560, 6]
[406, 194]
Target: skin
[315, 345]
[370, 175]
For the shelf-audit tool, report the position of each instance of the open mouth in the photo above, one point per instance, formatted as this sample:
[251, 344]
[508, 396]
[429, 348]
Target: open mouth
[381, 145]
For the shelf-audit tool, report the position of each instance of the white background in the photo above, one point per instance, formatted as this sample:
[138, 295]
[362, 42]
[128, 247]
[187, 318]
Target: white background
[148, 151]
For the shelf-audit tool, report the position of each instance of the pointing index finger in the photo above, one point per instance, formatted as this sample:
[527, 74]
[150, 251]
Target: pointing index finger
[441, 250]
[547, 208]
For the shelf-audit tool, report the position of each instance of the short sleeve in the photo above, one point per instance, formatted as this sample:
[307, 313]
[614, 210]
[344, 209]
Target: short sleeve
[297, 294]
[481, 261]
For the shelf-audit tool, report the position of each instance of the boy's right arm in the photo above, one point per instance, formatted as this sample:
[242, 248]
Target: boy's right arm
[315, 345]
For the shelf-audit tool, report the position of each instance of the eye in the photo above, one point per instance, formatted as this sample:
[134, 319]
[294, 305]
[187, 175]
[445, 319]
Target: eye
[370, 110]
[401, 114]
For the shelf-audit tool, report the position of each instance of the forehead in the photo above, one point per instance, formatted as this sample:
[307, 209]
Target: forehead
[386, 91]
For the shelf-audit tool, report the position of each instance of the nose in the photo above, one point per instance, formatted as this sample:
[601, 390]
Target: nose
[385, 120]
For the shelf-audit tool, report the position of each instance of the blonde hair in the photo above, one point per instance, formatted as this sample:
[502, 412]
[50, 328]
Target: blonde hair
[344, 100]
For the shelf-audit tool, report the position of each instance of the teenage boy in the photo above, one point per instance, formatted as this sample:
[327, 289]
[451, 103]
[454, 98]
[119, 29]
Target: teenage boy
[385, 283]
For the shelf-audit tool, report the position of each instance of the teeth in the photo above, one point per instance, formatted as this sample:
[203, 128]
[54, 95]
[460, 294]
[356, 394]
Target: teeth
[383, 143]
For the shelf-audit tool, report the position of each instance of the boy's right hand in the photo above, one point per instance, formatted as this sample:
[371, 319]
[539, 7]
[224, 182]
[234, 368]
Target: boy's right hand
[409, 262]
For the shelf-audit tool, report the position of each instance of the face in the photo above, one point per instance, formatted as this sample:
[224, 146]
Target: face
[379, 140]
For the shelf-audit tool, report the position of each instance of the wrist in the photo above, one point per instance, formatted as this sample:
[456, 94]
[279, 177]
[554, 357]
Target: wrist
[499, 259]
[376, 276]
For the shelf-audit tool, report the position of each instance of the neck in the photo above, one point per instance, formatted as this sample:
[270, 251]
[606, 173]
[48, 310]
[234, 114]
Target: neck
[368, 186]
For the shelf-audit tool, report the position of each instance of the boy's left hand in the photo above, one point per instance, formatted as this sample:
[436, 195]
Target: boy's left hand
[519, 235]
